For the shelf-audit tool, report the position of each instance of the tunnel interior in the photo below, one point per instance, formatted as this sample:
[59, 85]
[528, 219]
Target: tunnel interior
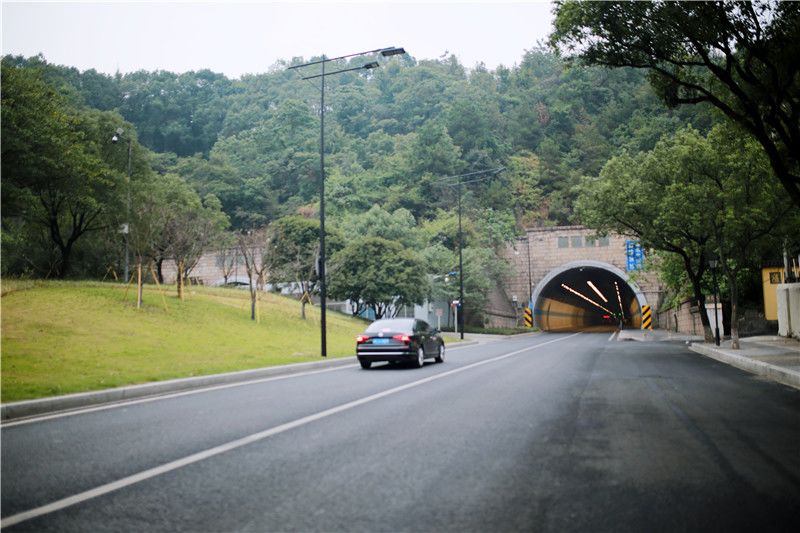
[586, 299]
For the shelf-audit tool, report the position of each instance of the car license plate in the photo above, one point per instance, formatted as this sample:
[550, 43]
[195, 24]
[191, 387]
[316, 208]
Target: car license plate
[380, 341]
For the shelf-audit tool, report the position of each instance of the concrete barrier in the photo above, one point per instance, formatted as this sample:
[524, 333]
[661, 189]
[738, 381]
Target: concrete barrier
[788, 309]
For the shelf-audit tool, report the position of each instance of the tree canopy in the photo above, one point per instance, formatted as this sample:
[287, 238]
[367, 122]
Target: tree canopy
[741, 57]
[379, 274]
[250, 147]
[697, 197]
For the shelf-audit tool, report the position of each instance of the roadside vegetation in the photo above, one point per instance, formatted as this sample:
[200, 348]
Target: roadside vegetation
[677, 127]
[61, 337]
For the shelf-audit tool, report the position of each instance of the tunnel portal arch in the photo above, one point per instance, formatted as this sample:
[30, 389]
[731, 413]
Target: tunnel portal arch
[573, 316]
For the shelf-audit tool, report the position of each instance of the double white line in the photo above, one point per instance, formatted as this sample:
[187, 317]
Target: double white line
[250, 439]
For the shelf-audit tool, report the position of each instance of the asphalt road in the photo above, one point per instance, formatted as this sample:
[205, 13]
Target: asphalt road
[542, 432]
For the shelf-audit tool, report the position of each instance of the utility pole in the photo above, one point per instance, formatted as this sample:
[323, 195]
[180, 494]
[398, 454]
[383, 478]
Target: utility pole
[447, 182]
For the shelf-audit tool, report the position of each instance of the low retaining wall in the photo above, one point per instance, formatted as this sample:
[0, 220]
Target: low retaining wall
[685, 318]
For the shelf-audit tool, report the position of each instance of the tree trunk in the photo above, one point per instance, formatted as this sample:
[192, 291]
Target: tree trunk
[253, 295]
[734, 313]
[139, 283]
[159, 270]
[180, 278]
[700, 298]
[303, 308]
[64, 267]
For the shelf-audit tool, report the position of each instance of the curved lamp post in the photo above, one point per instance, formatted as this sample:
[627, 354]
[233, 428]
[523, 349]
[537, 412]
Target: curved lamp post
[385, 52]
[119, 134]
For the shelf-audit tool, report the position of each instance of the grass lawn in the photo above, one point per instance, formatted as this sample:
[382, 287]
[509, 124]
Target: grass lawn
[65, 337]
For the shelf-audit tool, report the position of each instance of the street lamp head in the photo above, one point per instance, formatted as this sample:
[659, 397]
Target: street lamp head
[373, 64]
[392, 51]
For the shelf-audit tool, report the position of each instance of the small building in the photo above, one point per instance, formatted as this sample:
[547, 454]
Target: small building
[771, 276]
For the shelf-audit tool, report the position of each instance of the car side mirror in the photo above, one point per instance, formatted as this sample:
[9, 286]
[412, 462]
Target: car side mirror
[434, 331]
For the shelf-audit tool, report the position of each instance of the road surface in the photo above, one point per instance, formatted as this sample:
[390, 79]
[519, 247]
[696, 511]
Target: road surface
[550, 432]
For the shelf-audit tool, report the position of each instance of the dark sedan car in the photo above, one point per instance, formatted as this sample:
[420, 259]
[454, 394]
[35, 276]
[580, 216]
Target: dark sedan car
[399, 340]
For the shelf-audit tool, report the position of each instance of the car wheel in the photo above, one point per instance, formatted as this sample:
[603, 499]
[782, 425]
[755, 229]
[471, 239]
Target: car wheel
[365, 364]
[440, 355]
[420, 357]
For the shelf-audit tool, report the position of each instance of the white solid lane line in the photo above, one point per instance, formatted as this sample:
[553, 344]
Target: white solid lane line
[166, 396]
[250, 439]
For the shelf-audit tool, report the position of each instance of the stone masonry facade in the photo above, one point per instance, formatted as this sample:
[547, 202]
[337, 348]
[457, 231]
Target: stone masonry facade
[543, 250]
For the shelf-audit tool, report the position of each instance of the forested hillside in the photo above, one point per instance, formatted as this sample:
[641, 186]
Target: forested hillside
[247, 150]
[390, 132]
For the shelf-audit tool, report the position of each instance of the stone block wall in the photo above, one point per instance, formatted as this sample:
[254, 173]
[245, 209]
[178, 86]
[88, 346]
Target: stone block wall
[685, 318]
[208, 270]
[545, 249]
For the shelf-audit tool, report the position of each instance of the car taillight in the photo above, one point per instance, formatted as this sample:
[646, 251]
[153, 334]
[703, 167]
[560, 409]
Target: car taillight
[402, 338]
[362, 338]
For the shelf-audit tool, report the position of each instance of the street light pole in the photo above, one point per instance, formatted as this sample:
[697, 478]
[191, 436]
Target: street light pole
[323, 303]
[460, 183]
[127, 226]
[460, 263]
[323, 290]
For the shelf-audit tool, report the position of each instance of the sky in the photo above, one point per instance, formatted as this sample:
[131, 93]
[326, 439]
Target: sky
[237, 38]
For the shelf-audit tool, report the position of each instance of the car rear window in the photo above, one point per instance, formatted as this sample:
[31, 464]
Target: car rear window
[398, 325]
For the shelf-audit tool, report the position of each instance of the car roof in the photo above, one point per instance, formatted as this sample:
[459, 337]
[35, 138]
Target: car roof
[392, 324]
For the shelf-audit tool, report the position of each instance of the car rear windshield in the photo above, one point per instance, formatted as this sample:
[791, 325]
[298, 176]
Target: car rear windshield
[399, 325]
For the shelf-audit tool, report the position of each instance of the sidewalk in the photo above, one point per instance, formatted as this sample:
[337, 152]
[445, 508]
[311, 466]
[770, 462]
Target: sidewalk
[776, 358]
[655, 335]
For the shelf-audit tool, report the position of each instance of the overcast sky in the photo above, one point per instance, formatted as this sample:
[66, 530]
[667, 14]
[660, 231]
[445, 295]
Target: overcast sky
[249, 37]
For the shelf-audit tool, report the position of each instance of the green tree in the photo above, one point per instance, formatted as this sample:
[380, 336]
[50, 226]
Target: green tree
[291, 255]
[251, 244]
[378, 274]
[527, 197]
[696, 197]
[191, 227]
[483, 271]
[661, 198]
[60, 170]
[398, 226]
[740, 57]
[752, 215]
[180, 113]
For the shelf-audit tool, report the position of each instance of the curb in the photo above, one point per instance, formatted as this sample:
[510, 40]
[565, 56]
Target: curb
[775, 373]
[68, 402]
[26, 408]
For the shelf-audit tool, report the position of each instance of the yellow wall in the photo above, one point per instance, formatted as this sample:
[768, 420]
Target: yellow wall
[769, 284]
[560, 316]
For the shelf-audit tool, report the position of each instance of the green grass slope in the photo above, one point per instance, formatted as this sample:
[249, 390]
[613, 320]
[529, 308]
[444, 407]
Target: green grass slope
[65, 337]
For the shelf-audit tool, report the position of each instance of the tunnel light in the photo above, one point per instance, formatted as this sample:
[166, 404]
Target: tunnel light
[595, 289]
[619, 299]
[576, 293]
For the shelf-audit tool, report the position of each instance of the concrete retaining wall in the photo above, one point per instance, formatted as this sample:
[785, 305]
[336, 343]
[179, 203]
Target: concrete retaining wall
[684, 318]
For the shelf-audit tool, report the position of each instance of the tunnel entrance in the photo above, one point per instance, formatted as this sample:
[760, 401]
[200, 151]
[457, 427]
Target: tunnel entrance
[587, 296]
